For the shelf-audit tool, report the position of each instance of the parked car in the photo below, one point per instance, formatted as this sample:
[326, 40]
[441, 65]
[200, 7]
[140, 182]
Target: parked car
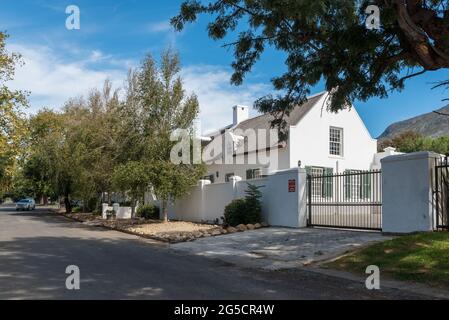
[26, 204]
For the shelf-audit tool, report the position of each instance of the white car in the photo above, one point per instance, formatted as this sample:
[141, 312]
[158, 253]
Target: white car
[26, 205]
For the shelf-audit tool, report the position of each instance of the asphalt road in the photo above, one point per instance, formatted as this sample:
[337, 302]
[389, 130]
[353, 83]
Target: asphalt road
[36, 247]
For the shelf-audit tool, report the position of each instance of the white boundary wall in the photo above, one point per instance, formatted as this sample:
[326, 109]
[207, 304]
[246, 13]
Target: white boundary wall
[280, 205]
[407, 204]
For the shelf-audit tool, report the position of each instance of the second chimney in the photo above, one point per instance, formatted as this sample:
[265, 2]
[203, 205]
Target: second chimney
[241, 113]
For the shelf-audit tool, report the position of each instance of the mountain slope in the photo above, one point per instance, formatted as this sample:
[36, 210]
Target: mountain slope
[429, 124]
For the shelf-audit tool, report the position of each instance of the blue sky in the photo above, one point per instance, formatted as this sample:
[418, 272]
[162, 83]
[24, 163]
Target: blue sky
[116, 34]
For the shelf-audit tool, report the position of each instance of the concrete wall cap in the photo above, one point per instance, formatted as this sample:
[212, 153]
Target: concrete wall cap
[411, 156]
[287, 171]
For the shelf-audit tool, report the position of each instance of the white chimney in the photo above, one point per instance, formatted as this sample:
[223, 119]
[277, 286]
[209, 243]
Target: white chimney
[241, 113]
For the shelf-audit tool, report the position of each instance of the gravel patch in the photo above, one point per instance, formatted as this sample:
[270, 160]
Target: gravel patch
[173, 231]
[169, 227]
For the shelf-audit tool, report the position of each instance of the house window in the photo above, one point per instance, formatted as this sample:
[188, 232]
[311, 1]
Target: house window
[317, 185]
[211, 178]
[352, 184]
[253, 174]
[322, 181]
[357, 185]
[228, 176]
[336, 141]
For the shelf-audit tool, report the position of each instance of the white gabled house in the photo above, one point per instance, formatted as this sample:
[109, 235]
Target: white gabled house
[318, 140]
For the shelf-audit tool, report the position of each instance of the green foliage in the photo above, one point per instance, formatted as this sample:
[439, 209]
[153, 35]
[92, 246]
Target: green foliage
[247, 210]
[12, 128]
[327, 40]
[156, 106]
[132, 177]
[76, 210]
[103, 144]
[235, 213]
[422, 257]
[413, 142]
[253, 200]
[170, 181]
[149, 212]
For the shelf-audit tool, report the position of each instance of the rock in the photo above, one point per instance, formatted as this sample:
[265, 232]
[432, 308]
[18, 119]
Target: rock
[241, 227]
[197, 234]
[250, 227]
[231, 230]
[264, 224]
[224, 231]
[206, 235]
[257, 226]
[216, 233]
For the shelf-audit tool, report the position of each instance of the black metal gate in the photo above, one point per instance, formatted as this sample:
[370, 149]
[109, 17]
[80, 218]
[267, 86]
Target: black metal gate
[441, 192]
[351, 200]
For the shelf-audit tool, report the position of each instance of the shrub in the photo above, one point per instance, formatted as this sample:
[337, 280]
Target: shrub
[93, 204]
[148, 211]
[111, 214]
[76, 210]
[234, 213]
[245, 211]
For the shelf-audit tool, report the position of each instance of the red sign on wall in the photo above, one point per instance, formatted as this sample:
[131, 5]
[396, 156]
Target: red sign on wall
[291, 185]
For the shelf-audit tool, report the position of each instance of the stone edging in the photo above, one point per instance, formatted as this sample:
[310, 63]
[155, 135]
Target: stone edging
[181, 237]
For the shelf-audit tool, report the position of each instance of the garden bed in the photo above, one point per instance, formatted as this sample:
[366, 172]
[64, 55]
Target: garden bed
[173, 231]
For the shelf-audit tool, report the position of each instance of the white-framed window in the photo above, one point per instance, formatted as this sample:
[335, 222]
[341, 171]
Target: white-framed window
[322, 181]
[357, 184]
[253, 174]
[336, 141]
[317, 184]
[211, 178]
[228, 176]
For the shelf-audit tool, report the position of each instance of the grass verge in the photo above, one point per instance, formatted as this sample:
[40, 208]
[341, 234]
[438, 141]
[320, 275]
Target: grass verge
[420, 258]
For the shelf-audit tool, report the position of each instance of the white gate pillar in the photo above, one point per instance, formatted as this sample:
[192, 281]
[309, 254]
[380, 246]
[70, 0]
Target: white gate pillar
[407, 200]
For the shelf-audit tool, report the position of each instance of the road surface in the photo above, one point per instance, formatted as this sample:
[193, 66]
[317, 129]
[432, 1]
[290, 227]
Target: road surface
[36, 247]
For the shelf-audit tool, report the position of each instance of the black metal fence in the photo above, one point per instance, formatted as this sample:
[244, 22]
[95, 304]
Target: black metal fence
[351, 200]
[441, 192]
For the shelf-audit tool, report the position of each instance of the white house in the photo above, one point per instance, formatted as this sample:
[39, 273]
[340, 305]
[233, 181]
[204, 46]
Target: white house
[318, 140]
[389, 151]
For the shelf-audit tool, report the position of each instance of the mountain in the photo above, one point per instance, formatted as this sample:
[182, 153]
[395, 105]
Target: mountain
[429, 124]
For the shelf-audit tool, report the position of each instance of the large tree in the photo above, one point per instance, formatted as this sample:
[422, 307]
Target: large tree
[11, 119]
[38, 162]
[156, 106]
[328, 39]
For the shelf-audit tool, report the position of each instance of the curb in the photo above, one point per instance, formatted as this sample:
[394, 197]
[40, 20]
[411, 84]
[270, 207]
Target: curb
[415, 288]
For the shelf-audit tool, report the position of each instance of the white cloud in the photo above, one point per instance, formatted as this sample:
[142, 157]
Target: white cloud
[159, 27]
[217, 96]
[96, 55]
[52, 81]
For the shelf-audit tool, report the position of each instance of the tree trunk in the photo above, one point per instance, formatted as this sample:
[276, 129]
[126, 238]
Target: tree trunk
[67, 204]
[164, 211]
[133, 208]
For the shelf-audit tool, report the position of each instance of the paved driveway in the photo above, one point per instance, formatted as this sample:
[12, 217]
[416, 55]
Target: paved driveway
[279, 248]
[36, 248]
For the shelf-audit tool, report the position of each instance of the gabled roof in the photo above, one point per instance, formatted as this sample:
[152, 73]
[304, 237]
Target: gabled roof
[264, 122]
